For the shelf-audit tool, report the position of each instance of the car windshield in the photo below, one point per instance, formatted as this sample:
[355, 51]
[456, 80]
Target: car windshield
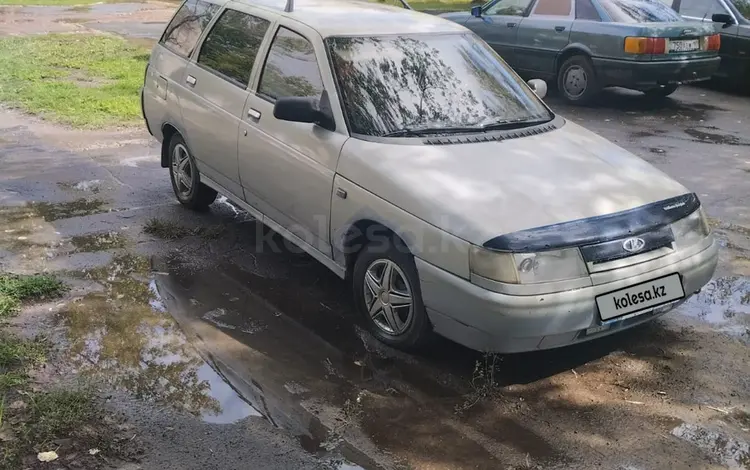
[743, 6]
[639, 11]
[391, 84]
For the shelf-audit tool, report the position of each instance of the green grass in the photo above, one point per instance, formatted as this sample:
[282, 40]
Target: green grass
[16, 289]
[87, 81]
[15, 356]
[48, 416]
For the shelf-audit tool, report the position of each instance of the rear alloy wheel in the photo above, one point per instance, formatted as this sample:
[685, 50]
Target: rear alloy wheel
[186, 181]
[661, 91]
[577, 80]
[387, 293]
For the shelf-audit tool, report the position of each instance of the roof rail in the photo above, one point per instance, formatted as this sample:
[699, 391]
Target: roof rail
[289, 7]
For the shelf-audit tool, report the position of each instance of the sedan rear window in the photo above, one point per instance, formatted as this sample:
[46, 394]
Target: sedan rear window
[639, 11]
[427, 81]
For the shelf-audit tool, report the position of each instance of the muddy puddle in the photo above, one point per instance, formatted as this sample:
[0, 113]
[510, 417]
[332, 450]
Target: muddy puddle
[123, 335]
[723, 303]
[300, 359]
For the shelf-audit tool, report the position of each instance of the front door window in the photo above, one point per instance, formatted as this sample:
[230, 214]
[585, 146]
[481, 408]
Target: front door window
[509, 7]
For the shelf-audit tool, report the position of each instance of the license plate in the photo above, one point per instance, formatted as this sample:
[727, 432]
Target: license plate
[641, 297]
[686, 45]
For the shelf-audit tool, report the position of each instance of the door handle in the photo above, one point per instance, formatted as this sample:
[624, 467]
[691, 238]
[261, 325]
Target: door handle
[190, 80]
[253, 113]
[511, 24]
[559, 29]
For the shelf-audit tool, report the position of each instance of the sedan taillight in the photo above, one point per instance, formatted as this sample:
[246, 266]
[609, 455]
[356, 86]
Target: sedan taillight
[712, 43]
[636, 45]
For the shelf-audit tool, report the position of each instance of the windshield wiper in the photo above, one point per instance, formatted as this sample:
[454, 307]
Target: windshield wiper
[420, 131]
[509, 124]
[505, 124]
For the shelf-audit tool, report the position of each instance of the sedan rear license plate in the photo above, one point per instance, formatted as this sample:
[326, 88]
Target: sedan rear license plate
[641, 297]
[684, 45]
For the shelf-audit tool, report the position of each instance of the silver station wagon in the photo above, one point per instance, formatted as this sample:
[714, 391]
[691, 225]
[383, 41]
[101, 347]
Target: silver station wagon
[401, 152]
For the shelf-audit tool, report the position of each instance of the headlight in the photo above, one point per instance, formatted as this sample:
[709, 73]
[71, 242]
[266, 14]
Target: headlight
[691, 229]
[528, 268]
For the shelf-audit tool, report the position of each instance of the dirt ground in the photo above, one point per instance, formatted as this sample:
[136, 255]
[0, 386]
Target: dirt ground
[224, 345]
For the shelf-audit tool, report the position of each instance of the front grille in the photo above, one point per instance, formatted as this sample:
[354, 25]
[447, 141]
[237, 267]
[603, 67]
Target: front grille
[617, 249]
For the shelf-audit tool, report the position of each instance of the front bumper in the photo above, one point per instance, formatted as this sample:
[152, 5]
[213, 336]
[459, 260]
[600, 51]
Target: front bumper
[649, 74]
[493, 322]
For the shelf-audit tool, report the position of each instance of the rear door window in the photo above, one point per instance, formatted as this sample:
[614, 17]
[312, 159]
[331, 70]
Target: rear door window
[553, 7]
[639, 11]
[585, 10]
[291, 68]
[232, 45]
[183, 32]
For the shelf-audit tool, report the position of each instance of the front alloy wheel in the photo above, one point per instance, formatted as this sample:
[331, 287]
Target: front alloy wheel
[388, 297]
[387, 293]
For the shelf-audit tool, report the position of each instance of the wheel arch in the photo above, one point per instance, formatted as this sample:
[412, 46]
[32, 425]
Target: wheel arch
[363, 231]
[168, 130]
[570, 51]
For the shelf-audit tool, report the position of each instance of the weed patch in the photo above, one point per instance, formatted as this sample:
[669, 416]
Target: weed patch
[82, 80]
[168, 230]
[16, 289]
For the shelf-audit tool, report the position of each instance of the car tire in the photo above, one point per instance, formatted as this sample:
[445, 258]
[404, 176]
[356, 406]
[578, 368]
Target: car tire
[577, 81]
[186, 181]
[662, 91]
[399, 318]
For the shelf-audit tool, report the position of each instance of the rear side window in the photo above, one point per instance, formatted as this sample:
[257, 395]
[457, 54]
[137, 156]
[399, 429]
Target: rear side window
[639, 11]
[553, 7]
[232, 45]
[585, 10]
[291, 68]
[183, 32]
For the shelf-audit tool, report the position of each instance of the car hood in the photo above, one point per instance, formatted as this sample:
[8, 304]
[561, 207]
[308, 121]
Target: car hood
[456, 16]
[478, 191]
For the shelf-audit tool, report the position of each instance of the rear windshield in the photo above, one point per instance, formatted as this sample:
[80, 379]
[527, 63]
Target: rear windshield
[427, 81]
[639, 11]
[743, 6]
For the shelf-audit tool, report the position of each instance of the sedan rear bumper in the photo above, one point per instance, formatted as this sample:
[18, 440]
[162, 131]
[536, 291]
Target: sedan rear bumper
[646, 75]
[489, 321]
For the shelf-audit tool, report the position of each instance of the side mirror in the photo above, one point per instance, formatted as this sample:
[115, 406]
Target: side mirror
[476, 11]
[722, 18]
[539, 87]
[307, 109]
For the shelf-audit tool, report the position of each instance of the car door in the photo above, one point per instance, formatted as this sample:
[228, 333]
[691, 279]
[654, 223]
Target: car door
[217, 81]
[287, 168]
[542, 36]
[498, 26]
[703, 10]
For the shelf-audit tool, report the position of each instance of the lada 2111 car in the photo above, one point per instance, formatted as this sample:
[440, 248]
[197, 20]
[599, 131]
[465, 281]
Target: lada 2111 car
[399, 150]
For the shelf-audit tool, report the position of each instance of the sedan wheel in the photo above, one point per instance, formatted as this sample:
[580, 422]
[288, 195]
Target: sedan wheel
[577, 80]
